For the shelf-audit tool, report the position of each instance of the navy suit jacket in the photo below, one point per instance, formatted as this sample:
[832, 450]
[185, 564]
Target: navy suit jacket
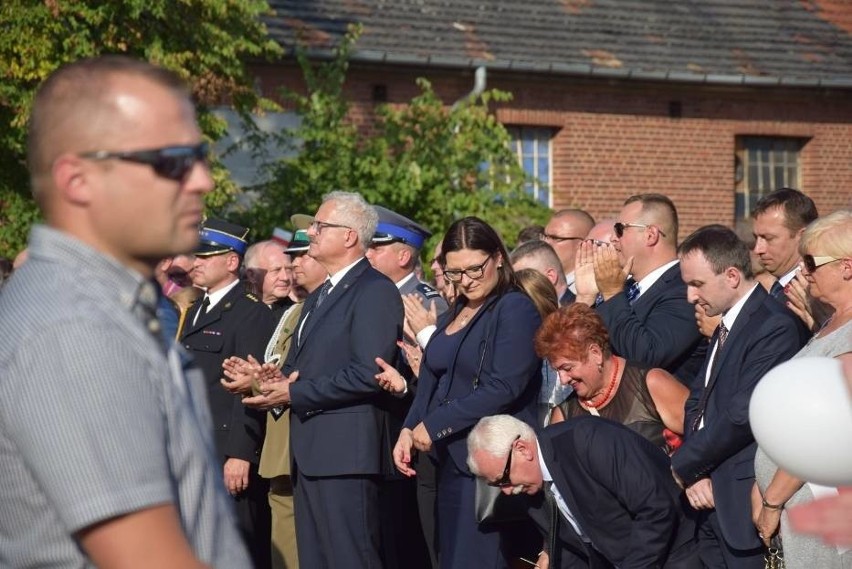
[238, 325]
[619, 487]
[659, 329]
[763, 336]
[339, 418]
[500, 336]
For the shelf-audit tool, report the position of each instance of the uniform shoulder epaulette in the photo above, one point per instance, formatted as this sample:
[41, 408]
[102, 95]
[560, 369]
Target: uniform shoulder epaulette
[251, 297]
[427, 290]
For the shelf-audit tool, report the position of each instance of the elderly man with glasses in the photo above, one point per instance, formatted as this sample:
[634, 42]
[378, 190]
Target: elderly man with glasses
[602, 494]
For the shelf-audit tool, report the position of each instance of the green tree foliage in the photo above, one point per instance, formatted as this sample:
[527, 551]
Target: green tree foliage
[427, 161]
[204, 41]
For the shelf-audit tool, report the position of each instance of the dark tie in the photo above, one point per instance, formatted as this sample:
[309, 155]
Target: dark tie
[324, 290]
[205, 304]
[777, 290]
[552, 512]
[631, 289]
[721, 336]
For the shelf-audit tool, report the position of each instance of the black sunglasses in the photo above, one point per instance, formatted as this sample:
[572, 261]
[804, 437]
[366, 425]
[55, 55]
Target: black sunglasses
[620, 227]
[504, 479]
[813, 263]
[172, 162]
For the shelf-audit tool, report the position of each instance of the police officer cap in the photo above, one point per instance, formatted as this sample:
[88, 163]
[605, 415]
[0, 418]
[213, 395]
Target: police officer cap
[300, 242]
[396, 228]
[219, 236]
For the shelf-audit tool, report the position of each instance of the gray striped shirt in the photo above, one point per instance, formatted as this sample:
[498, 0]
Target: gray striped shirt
[96, 418]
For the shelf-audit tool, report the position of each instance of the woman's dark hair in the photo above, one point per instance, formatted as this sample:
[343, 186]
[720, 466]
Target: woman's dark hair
[473, 233]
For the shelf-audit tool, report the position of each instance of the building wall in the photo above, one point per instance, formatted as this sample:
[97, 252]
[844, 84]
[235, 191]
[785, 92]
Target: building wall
[615, 138]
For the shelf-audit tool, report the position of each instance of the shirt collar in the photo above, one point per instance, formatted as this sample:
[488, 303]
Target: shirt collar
[338, 276]
[654, 276]
[545, 473]
[404, 280]
[215, 297]
[731, 315]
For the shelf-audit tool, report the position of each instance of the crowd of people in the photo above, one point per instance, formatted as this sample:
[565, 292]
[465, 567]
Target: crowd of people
[173, 394]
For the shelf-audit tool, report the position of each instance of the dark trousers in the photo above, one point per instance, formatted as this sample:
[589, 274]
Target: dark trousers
[427, 500]
[337, 521]
[714, 552]
[464, 544]
[254, 519]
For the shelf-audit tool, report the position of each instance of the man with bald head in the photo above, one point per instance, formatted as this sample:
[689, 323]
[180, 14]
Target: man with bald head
[564, 232]
[650, 321]
[269, 271]
[106, 440]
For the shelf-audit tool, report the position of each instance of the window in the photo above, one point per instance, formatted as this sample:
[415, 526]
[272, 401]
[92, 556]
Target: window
[532, 147]
[764, 164]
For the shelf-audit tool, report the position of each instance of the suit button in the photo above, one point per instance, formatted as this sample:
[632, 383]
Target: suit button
[450, 430]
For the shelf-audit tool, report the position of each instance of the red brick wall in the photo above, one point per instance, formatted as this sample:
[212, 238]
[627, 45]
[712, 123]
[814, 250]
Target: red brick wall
[615, 138]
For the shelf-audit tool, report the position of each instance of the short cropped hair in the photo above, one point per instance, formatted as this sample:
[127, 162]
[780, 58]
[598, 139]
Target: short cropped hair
[73, 109]
[357, 213]
[721, 247]
[660, 210]
[539, 250]
[799, 210]
[570, 331]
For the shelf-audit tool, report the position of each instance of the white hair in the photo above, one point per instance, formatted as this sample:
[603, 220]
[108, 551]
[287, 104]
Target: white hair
[355, 212]
[494, 436]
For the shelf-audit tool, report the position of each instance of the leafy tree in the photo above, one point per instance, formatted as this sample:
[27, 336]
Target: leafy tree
[204, 41]
[424, 160]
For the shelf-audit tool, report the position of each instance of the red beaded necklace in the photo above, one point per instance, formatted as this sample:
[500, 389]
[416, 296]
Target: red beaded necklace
[589, 403]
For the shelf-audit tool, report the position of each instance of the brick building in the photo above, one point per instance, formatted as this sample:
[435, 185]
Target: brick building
[711, 102]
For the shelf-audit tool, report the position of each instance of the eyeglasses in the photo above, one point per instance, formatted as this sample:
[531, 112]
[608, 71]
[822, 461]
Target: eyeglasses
[318, 226]
[559, 238]
[813, 263]
[475, 272]
[172, 162]
[620, 227]
[505, 478]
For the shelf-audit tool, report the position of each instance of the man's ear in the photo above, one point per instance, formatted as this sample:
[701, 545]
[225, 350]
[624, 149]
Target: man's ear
[403, 256]
[526, 448]
[70, 179]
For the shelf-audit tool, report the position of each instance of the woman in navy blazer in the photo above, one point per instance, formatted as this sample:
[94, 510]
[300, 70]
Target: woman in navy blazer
[480, 361]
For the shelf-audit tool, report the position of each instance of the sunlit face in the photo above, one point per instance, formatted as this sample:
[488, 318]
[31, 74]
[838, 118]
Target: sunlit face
[328, 243]
[386, 258]
[271, 273]
[775, 245]
[213, 271]
[475, 289]
[713, 292]
[307, 272]
[565, 234]
[524, 476]
[632, 242]
[826, 283]
[137, 214]
[583, 375]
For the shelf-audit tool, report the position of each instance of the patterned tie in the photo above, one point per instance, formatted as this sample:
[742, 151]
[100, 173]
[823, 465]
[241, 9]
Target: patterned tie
[631, 289]
[324, 290]
[702, 402]
[777, 290]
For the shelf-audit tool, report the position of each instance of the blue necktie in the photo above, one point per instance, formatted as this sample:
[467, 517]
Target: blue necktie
[777, 290]
[326, 288]
[631, 289]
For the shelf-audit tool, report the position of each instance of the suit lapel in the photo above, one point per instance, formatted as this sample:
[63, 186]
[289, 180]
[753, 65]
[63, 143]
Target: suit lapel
[740, 324]
[215, 313]
[561, 481]
[647, 300]
[313, 316]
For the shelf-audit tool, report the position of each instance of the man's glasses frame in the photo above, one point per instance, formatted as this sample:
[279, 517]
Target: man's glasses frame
[318, 226]
[619, 228]
[813, 263]
[505, 478]
[475, 272]
[170, 162]
[559, 238]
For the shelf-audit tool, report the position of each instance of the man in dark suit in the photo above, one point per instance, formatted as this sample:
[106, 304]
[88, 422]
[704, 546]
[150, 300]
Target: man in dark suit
[339, 423]
[609, 500]
[715, 463]
[227, 322]
[779, 219]
[649, 320]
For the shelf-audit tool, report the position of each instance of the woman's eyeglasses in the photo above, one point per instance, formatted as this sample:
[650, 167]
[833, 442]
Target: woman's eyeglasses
[475, 272]
[813, 263]
[171, 162]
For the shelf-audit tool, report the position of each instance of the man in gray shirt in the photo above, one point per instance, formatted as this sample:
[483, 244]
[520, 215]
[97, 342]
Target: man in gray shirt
[105, 437]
